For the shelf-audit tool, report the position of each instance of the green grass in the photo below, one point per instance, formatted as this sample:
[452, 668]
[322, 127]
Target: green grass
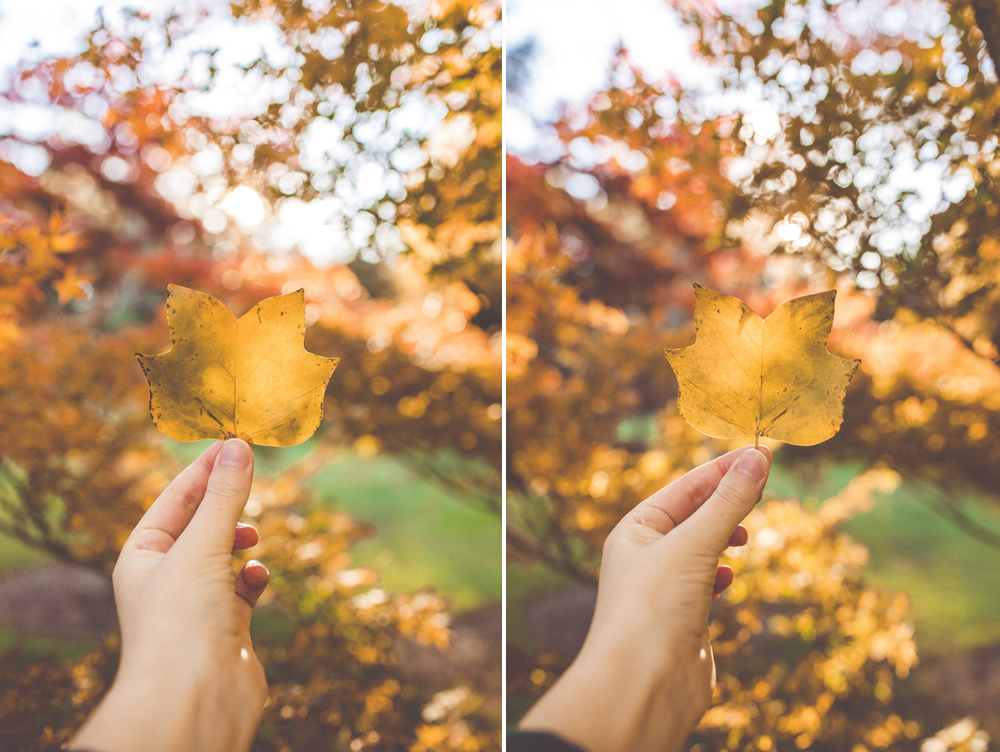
[424, 535]
[34, 647]
[15, 555]
[952, 579]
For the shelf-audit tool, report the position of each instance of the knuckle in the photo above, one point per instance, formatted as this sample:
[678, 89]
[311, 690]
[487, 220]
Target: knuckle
[734, 494]
[226, 487]
[653, 518]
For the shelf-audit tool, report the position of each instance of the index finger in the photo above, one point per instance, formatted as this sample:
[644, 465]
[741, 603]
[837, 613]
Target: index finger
[675, 502]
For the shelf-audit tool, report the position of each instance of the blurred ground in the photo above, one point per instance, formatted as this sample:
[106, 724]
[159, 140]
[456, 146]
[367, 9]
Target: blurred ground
[58, 602]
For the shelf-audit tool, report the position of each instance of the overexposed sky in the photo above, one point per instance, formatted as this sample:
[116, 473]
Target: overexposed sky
[35, 29]
[575, 42]
[332, 229]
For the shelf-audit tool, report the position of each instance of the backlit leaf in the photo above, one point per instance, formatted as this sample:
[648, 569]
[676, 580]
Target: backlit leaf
[249, 378]
[748, 376]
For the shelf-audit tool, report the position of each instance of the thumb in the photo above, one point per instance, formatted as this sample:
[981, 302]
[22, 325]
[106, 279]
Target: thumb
[710, 526]
[227, 491]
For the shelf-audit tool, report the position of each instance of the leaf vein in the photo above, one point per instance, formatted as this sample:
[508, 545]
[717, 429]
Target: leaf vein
[710, 404]
[202, 398]
[725, 341]
[778, 404]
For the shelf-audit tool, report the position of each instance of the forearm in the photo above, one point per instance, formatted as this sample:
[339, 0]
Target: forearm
[137, 717]
[607, 701]
[153, 716]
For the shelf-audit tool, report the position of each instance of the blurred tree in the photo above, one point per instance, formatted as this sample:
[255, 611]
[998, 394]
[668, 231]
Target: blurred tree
[604, 245]
[388, 120]
[869, 156]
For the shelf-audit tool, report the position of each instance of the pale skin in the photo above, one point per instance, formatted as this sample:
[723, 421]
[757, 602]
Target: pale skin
[188, 678]
[645, 674]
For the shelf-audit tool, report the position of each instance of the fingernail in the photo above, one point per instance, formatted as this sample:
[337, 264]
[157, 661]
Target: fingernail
[257, 579]
[241, 524]
[235, 452]
[752, 463]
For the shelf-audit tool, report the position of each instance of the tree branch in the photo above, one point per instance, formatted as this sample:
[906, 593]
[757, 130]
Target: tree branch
[27, 522]
[965, 522]
[987, 14]
[528, 547]
[464, 491]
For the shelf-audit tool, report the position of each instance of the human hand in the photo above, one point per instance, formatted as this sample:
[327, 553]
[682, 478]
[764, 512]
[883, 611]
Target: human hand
[645, 674]
[188, 678]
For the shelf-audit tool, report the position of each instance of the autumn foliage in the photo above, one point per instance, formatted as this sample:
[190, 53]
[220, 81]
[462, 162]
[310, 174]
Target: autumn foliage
[135, 200]
[654, 191]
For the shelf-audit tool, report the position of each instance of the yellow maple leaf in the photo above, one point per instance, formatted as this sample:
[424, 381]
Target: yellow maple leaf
[249, 378]
[748, 376]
